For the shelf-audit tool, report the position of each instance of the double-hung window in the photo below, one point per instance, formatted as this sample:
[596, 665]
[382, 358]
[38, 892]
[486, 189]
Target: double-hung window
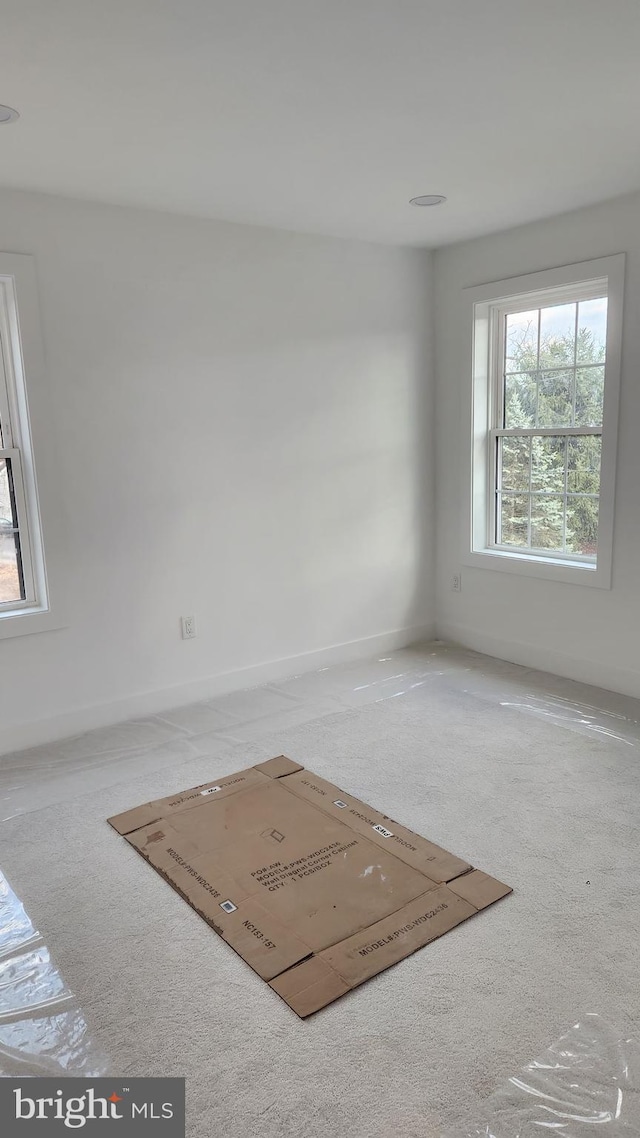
[23, 584]
[546, 362]
[17, 588]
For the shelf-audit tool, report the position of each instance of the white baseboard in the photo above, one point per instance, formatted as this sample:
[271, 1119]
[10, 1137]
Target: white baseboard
[595, 672]
[152, 702]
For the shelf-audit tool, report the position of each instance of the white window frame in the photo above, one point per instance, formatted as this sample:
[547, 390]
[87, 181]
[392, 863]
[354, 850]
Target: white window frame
[15, 448]
[28, 430]
[486, 305]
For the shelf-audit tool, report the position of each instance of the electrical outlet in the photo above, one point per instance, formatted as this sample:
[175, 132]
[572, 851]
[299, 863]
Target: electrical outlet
[456, 582]
[188, 627]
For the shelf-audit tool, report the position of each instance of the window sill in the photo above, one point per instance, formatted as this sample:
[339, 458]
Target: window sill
[531, 565]
[26, 621]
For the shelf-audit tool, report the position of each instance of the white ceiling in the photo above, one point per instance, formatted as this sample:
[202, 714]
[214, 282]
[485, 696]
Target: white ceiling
[326, 116]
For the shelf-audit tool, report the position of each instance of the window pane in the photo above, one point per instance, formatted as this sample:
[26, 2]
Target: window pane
[592, 330]
[10, 565]
[557, 336]
[589, 396]
[547, 521]
[555, 399]
[584, 464]
[521, 341]
[520, 397]
[548, 459]
[513, 514]
[515, 464]
[582, 525]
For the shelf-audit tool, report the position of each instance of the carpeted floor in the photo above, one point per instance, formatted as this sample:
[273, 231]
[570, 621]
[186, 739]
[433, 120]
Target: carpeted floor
[535, 780]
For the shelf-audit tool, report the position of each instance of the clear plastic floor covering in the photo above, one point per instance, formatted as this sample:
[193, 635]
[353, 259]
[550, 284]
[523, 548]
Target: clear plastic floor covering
[589, 1078]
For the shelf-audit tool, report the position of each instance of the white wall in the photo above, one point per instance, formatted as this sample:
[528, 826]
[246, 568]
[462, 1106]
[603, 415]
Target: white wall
[585, 633]
[243, 420]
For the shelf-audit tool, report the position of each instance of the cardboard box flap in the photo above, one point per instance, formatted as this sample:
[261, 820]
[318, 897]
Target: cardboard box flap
[264, 942]
[131, 820]
[397, 936]
[310, 986]
[278, 767]
[479, 889]
[421, 854]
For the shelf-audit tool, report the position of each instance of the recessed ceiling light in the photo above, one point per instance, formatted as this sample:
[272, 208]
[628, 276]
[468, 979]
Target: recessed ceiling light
[428, 199]
[7, 114]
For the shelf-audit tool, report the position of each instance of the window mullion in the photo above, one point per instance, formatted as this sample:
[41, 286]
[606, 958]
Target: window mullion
[575, 367]
[534, 432]
[537, 394]
[529, 495]
[565, 499]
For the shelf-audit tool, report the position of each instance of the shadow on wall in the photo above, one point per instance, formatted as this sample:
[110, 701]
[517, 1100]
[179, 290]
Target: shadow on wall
[421, 611]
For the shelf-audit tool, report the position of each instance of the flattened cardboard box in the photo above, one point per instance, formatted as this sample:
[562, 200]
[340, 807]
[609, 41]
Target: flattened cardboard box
[314, 889]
